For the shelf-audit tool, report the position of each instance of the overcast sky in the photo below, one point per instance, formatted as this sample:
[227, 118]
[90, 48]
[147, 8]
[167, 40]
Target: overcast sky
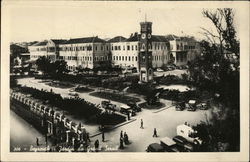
[30, 22]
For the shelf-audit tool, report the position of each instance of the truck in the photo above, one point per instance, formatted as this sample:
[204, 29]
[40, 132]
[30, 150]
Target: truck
[187, 132]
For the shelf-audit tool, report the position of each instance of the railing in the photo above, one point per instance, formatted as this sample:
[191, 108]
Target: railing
[44, 109]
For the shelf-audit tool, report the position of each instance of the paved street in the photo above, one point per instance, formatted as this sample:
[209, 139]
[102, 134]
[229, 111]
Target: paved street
[164, 121]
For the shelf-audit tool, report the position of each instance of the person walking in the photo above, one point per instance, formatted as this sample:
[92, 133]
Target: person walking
[121, 134]
[141, 124]
[126, 138]
[121, 143]
[128, 115]
[103, 136]
[96, 145]
[155, 133]
[37, 141]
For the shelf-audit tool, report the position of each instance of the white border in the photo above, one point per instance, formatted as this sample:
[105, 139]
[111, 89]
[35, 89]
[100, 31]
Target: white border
[243, 155]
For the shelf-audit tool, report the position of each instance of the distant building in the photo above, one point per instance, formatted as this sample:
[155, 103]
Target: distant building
[38, 49]
[182, 49]
[19, 53]
[53, 48]
[86, 52]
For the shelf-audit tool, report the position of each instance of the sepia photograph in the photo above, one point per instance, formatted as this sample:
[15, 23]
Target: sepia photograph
[125, 77]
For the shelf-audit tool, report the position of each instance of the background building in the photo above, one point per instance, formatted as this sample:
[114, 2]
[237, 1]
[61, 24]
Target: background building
[91, 52]
[86, 52]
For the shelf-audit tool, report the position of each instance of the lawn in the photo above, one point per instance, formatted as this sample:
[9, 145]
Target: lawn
[115, 97]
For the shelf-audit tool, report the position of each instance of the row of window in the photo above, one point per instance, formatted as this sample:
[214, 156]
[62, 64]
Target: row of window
[118, 48]
[84, 58]
[157, 46]
[181, 57]
[124, 58]
[134, 58]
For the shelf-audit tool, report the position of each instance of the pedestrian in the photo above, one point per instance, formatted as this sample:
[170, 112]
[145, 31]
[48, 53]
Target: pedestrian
[141, 124]
[46, 138]
[37, 141]
[88, 139]
[128, 115]
[103, 137]
[121, 143]
[121, 134]
[96, 145]
[155, 133]
[126, 138]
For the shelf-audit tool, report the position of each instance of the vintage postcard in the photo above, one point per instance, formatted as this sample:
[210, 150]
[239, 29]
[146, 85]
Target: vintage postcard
[125, 81]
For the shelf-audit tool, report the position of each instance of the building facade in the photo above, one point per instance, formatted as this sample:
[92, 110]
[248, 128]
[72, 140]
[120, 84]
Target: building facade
[91, 52]
[38, 50]
[86, 52]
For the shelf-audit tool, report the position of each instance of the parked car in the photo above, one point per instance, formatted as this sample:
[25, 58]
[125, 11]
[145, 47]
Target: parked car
[168, 144]
[155, 147]
[202, 106]
[191, 105]
[188, 147]
[73, 94]
[125, 109]
[181, 141]
[134, 106]
[180, 106]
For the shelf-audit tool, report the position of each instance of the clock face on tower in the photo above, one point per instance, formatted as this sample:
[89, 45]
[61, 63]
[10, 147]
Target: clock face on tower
[149, 36]
[143, 36]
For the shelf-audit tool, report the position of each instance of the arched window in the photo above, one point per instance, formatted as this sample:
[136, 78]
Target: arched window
[149, 46]
[143, 47]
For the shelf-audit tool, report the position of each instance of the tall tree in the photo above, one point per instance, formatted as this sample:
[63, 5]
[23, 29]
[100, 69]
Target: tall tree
[216, 72]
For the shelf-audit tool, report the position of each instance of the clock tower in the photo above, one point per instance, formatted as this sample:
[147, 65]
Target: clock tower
[145, 52]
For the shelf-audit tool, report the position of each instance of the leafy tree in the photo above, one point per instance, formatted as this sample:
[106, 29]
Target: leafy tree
[43, 64]
[216, 73]
[52, 68]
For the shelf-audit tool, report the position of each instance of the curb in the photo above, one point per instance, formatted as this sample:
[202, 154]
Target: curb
[116, 126]
[163, 109]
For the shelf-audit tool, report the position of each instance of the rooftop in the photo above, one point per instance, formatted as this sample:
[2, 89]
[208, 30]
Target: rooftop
[43, 43]
[85, 40]
[117, 39]
[58, 41]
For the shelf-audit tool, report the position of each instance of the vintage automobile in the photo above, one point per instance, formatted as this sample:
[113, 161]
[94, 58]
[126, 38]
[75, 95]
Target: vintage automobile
[155, 147]
[186, 131]
[180, 106]
[202, 106]
[191, 106]
[134, 106]
[181, 141]
[125, 109]
[73, 94]
[169, 144]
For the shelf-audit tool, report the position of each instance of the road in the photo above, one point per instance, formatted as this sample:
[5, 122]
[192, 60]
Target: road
[164, 121]
[23, 135]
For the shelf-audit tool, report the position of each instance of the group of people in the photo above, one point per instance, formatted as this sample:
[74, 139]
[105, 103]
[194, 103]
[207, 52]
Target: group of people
[123, 139]
[155, 131]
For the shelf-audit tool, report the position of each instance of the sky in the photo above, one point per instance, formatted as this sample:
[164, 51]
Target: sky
[62, 20]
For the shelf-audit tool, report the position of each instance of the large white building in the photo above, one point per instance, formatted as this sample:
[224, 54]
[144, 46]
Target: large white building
[90, 52]
[86, 52]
